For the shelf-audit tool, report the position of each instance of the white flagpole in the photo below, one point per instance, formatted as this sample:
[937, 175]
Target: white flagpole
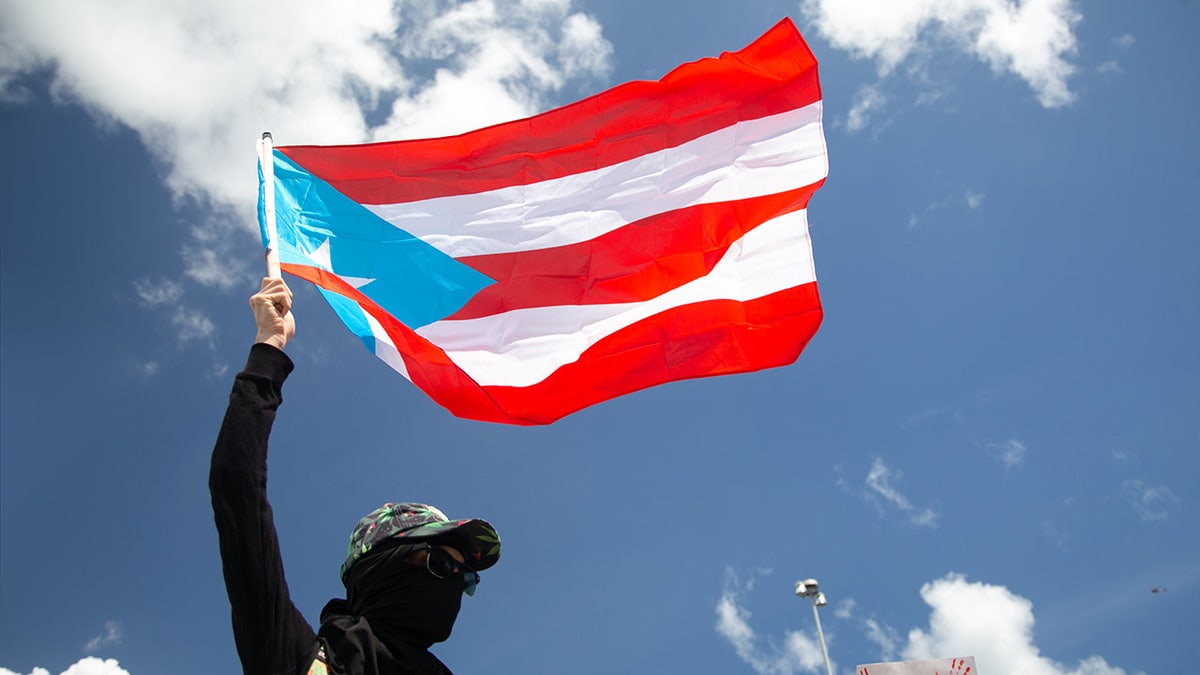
[266, 163]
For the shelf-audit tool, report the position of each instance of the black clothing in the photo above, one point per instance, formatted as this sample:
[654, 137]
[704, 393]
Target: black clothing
[271, 635]
[405, 603]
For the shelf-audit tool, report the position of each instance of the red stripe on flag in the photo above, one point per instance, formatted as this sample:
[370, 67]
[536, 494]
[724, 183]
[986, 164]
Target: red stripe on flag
[428, 366]
[774, 74]
[715, 337]
[637, 262]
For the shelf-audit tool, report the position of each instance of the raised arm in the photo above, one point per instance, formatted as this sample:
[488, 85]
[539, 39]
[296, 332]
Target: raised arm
[272, 636]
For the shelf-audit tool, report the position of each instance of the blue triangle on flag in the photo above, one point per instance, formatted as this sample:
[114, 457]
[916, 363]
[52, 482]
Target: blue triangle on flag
[320, 227]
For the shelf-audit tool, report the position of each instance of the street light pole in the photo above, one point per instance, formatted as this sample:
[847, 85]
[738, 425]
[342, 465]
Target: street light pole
[811, 590]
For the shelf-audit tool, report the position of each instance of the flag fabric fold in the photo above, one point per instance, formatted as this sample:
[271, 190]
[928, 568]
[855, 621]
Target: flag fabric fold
[653, 232]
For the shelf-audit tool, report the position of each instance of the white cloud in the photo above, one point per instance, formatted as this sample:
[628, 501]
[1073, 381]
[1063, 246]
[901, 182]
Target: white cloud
[583, 50]
[1011, 452]
[159, 292]
[1059, 538]
[867, 101]
[199, 80]
[192, 326]
[956, 412]
[502, 58]
[111, 636]
[86, 666]
[974, 199]
[881, 480]
[845, 609]
[217, 371]
[212, 259]
[1031, 39]
[94, 666]
[798, 653]
[884, 636]
[1113, 66]
[992, 624]
[1150, 503]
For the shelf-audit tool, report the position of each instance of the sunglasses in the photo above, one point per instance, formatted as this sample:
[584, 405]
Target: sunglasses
[442, 565]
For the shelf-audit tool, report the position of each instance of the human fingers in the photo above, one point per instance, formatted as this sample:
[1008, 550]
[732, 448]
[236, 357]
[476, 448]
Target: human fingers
[272, 313]
[274, 295]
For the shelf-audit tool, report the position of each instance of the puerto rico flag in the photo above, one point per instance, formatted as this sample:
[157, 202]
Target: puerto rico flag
[653, 232]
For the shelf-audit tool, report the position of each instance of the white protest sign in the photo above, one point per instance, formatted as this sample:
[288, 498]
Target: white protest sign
[953, 666]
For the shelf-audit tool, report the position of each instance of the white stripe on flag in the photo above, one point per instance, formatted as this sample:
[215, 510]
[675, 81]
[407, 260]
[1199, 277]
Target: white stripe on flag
[748, 159]
[523, 347]
[384, 348]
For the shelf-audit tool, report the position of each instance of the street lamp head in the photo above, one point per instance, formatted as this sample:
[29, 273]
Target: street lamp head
[820, 601]
[807, 588]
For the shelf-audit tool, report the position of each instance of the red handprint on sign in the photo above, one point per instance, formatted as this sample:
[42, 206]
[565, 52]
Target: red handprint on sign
[957, 667]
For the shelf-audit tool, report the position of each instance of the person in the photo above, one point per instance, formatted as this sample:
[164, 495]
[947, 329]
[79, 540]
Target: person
[406, 569]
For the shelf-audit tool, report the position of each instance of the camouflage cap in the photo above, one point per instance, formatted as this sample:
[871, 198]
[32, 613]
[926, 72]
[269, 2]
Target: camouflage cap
[476, 539]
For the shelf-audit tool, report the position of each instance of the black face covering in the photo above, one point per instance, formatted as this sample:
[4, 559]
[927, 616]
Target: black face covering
[403, 602]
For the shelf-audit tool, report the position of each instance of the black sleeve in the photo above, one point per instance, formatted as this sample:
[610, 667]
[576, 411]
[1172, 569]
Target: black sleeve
[272, 636]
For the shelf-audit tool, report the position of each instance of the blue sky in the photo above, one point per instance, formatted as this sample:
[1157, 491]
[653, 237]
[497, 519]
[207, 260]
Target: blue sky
[989, 448]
